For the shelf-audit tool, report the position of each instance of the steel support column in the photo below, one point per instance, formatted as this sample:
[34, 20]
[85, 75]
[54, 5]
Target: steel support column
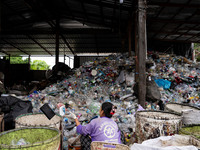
[129, 36]
[57, 40]
[0, 15]
[140, 47]
[29, 61]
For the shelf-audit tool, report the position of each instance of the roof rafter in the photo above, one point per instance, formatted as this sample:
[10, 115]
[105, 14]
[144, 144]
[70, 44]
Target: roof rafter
[68, 8]
[172, 18]
[3, 2]
[68, 45]
[167, 4]
[84, 10]
[172, 32]
[174, 21]
[109, 5]
[101, 10]
[94, 46]
[52, 24]
[197, 35]
[182, 41]
[62, 36]
[89, 14]
[15, 47]
[159, 12]
[2, 51]
[114, 13]
[176, 30]
[30, 37]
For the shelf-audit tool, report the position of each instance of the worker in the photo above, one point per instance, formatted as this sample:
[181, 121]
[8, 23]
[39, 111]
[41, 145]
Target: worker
[100, 129]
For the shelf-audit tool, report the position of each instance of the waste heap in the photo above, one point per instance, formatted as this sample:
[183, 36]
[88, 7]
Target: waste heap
[112, 79]
[107, 79]
[177, 77]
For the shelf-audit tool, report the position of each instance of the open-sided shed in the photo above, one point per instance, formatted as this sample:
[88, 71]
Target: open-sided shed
[74, 27]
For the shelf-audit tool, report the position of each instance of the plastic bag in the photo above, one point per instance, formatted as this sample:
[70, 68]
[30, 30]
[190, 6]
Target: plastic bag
[163, 83]
[191, 117]
[166, 143]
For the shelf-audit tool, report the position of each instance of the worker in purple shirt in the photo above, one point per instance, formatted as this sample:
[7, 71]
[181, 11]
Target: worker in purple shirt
[99, 129]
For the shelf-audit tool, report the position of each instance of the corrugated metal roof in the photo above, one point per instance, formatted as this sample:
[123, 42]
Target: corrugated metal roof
[91, 26]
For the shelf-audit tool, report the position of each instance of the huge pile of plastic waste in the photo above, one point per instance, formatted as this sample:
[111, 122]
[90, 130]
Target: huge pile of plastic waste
[112, 79]
[178, 79]
[107, 79]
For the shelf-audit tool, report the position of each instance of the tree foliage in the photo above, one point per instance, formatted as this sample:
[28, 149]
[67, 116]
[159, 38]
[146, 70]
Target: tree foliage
[35, 65]
[18, 60]
[197, 46]
[39, 65]
[197, 49]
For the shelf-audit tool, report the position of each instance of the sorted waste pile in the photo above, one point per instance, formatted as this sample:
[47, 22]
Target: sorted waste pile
[178, 79]
[107, 79]
[112, 79]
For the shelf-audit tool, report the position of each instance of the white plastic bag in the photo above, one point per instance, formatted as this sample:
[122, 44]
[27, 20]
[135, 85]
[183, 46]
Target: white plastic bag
[166, 143]
[191, 116]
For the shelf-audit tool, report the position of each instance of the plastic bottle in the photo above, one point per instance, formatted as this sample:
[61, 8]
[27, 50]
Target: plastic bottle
[79, 115]
[66, 121]
[62, 110]
[22, 142]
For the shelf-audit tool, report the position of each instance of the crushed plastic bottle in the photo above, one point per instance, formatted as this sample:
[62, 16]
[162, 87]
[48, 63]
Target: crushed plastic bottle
[20, 142]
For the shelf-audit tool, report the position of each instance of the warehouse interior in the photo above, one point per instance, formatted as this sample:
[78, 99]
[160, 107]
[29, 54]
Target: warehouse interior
[78, 27]
[90, 29]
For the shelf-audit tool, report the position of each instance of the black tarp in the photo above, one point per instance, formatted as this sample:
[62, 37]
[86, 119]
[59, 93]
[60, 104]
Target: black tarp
[12, 108]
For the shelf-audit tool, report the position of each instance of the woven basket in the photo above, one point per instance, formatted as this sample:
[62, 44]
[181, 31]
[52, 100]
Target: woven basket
[38, 119]
[191, 130]
[152, 124]
[191, 114]
[178, 108]
[39, 138]
[1, 122]
[105, 146]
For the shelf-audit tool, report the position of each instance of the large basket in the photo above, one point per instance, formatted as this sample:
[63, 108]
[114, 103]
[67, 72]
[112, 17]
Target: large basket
[38, 119]
[1, 122]
[152, 124]
[191, 114]
[191, 130]
[105, 146]
[194, 132]
[178, 108]
[40, 138]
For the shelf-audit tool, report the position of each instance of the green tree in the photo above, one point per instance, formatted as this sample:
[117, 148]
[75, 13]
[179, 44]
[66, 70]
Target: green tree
[39, 65]
[18, 60]
[197, 46]
[197, 49]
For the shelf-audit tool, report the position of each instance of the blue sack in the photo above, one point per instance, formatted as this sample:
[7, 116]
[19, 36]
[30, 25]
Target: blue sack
[163, 83]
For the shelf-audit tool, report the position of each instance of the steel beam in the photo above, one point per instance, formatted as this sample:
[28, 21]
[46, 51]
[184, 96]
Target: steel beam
[167, 4]
[15, 47]
[109, 5]
[84, 10]
[68, 8]
[30, 37]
